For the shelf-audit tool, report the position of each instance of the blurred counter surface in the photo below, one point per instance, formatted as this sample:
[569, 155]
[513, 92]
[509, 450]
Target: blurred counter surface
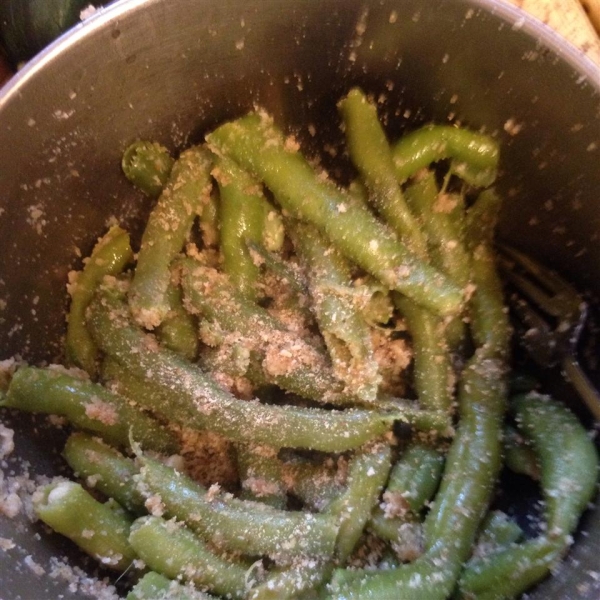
[26, 26]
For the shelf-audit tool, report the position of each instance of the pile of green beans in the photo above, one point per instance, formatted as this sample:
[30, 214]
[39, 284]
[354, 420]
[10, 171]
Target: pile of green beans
[253, 313]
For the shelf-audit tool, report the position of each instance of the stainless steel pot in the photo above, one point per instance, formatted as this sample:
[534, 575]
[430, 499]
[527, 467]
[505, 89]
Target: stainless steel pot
[171, 69]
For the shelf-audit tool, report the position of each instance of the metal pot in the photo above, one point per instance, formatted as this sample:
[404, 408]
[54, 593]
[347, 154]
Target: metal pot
[172, 69]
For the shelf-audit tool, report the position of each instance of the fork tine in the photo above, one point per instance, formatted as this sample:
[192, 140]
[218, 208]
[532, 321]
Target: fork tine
[532, 291]
[549, 290]
[546, 276]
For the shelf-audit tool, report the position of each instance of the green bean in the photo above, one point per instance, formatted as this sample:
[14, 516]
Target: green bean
[244, 211]
[433, 372]
[249, 527]
[261, 475]
[568, 458]
[372, 156]
[109, 257]
[443, 231]
[86, 405]
[198, 402]
[519, 456]
[153, 586]
[313, 483]
[291, 582]
[98, 529]
[281, 357]
[451, 526]
[178, 330]
[475, 156]
[368, 472]
[569, 469]
[258, 146]
[415, 476]
[209, 221]
[170, 222]
[406, 536]
[498, 531]
[104, 469]
[147, 165]
[346, 333]
[174, 551]
[279, 268]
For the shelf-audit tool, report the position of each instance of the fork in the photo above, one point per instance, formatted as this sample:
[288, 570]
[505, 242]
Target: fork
[540, 296]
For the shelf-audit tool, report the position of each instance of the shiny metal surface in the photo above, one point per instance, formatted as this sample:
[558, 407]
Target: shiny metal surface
[171, 69]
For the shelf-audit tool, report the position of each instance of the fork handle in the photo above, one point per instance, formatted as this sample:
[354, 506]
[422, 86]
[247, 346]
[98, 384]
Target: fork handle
[584, 387]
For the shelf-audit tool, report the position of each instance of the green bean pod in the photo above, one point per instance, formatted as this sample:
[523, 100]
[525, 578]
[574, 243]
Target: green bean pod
[148, 166]
[372, 156]
[433, 373]
[249, 527]
[415, 476]
[154, 586]
[345, 331]
[109, 257]
[569, 472]
[178, 330]
[88, 406]
[315, 484]
[196, 401]
[305, 372]
[261, 475]
[174, 551]
[498, 532]
[368, 472]
[451, 526]
[244, 212]
[292, 582]
[519, 456]
[105, 469]
[475, 156]
[169, 224]
[100, 530]
[258, 146]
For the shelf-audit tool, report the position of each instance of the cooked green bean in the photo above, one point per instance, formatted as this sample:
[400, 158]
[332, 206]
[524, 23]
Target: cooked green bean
[368, 472]
[261, 475]
[174, 551]
[249, 527]
[415, 476]
[86, 405]
[100, 530]
[399, 530]
[519, 456]
[104, 469]
[148, 166]
[281, 357]
[313, 483]
[569, 470]
[471, 469]
[292, 582]
[258, 146]
[346, 333]
[244, 211]
[153, 586]
[433, 374]
[198, 402]
[109, 257]
[178, 330]
[372, 156]
[498, 531]
[169, 224]
[475, 156]
[209, 221]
